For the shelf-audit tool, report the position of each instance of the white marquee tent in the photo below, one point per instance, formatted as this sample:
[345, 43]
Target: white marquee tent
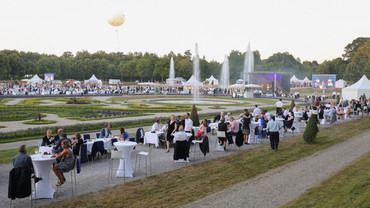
[294, 79]
[356, 90]
[306, 80]
[212, 80]
[192, 82]
[93, 80]
[340, 84]
[35, 79]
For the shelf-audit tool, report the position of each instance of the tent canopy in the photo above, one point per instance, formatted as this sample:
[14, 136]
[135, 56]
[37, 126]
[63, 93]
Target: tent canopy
[213, 80]
[354, 91]
[340, 83]
[193, 82]
[294, 79]
[237, 86]
[252, 86]
[306, 80]
[35, 79]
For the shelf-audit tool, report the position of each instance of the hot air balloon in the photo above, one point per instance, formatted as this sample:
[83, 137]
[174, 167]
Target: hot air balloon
[117, 20]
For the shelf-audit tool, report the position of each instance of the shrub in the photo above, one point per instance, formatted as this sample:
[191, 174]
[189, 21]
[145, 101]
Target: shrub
[311, 130]
[292, 105]
[194, 116]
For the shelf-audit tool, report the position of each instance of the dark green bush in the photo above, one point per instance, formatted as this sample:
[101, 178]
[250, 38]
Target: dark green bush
[194, 116]
[311, 130]
[292, 105]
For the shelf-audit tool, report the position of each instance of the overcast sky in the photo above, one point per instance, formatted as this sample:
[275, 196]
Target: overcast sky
[311, 30]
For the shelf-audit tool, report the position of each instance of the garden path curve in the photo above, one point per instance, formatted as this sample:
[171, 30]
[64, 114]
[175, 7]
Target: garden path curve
[282, 185]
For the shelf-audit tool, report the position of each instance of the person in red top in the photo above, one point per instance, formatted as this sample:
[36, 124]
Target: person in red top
[202, 129]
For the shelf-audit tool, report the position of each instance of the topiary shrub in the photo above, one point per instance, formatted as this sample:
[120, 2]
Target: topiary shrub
[292, 105]
[338, 99]
[194, 116]
[311, 130]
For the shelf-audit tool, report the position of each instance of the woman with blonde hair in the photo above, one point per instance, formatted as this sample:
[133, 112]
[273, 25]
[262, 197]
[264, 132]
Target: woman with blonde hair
[66, 164]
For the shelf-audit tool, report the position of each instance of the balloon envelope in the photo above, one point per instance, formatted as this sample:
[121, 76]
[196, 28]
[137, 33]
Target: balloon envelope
[117, 20]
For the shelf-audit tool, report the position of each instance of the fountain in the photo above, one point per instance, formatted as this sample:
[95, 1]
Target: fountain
[172, 73]
[248, 64]
[196, 74]
[224, 78]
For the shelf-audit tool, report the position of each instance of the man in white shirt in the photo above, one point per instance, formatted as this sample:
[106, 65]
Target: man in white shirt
[256, 112]
[180, 135]
[188, 123]
[156, 126]
[278, 106]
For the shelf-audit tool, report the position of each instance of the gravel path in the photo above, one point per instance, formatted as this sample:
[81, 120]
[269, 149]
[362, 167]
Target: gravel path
[280, 186]
[14, 101]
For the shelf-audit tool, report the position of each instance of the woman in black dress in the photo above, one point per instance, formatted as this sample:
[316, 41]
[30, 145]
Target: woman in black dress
[76, 144]
[171, 128]
[222, 126]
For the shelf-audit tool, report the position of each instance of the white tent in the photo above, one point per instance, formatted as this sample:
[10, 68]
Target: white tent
[93, 79]
[192, 82]
[306, 80]
[35, 79]
[294, 79]
[252, 86]
[356, 90]
[237, 86]
[340, 84]
[212, 80]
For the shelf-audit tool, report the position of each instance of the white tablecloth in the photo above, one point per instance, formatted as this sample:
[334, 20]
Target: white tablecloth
[281, 131]
[42, 165]
[152, 138]
[105, 141]
[43, 149]
[196, 129]
[296, 124]
[126, 148]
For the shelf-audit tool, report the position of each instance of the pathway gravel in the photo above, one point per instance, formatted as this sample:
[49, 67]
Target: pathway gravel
[282, 185]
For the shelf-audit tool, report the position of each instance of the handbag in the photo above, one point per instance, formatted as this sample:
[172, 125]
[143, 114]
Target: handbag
[221, 134]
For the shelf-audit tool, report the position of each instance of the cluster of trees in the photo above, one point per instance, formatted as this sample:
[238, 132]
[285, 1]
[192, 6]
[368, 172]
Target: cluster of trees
[354, 63]
[149, 66]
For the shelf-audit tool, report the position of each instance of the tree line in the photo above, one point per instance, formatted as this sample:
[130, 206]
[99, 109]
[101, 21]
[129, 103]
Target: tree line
[14, 65]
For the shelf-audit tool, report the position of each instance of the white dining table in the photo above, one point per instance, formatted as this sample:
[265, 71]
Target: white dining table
[126, 147]
[281, 131]
[104, 140]
[152, 138]
[42, 165]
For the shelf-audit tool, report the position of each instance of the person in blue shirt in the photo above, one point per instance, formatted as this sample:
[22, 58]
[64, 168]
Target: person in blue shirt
[273, 127]
[58, 148]
[124, 134]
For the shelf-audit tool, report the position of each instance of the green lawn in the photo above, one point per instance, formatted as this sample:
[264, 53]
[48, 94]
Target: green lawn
[349, 187]
[6, 156]
[191, 183]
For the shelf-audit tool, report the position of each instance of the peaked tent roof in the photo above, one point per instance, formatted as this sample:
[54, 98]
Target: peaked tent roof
[306, 80]
[212, 78]
[294, 79]
[363, 83]
[193, 81]
[93, 78]
[36, 79]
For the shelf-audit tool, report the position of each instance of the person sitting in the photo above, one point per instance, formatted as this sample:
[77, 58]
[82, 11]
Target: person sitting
[289, 121]
[218, 117]
[234, 129]
[222, 127]
[76, 144]
[296, 109]
[66, 164]
[123, 134]
[105, 132]
[181, 145]
[58, 147]
[22, 160]
[156, 126]
[58, 136]
[227, 117]
[180, 135]
[333, 114]
[285, 113]
[202, 129]
[340, 112]
[48, 140]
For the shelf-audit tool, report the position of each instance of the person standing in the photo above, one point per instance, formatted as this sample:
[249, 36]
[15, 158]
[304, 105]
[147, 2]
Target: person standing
[256, 113]
[273, 127]
[171, 128]
[278, 105]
